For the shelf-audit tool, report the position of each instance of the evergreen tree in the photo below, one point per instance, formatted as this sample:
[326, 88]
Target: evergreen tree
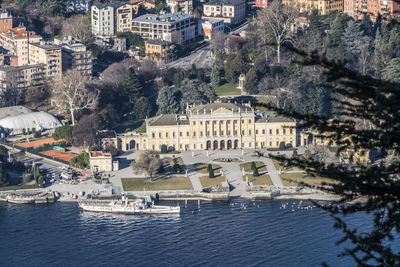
[167, 101]
[236, 64]
[392, 71]
[194, 91]
[210, 171]
[251, 81]
[316, 23]
[217, 71]
[352, 37]
[337, 29]
[261, 66]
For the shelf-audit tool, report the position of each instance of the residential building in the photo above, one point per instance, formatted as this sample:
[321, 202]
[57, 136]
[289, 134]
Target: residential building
[102, 162]
[165, 26]
[210, 26]
[262, 3]
[8, 59]
[108, 18]
[15, 42]
[213, 126]
[6, 20]
[22, 77]
[185, 6]
[231, 11]
[324, 7]
[159, 50]
[75, 55]
[123, 16]
[358, 8]
[49, 55]
[79, 6]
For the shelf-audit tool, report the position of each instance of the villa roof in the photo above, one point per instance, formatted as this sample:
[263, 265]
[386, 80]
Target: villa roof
[106, 134]
[208, 108]
[272, 116]
[19, 33]
[168, 120]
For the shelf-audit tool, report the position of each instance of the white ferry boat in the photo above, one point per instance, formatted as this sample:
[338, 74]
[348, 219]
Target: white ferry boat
[126, 207]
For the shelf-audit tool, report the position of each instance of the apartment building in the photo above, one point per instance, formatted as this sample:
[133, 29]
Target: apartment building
[231, 11]
[165, 26]
[22, 77]
[307, 6]
[123, 16]
[6, 20]
[15, 42]
[75, 55]
[208, 27]
[79, 6]
[49, 55]
[185, 6]
[262, 3]
[358, 8]
[159, 50]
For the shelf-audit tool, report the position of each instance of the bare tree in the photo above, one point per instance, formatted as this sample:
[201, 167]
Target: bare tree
[148, 162]
[71, 93]
[231, 45]
[218, 41]
[77, 26]
[113, 74]
[12, 94]
[365, 53]
[274, 25]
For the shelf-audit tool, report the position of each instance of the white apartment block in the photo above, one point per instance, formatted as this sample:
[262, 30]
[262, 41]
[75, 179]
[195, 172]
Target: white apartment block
[164, 26]
[231, 11]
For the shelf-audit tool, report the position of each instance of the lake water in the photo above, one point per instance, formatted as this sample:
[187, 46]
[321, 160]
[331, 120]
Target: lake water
[238, 234]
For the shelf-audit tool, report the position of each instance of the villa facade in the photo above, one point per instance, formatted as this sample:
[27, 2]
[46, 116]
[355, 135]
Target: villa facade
[215, 126]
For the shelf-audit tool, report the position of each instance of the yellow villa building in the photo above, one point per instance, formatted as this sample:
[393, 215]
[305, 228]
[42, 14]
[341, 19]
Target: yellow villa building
[213, 126]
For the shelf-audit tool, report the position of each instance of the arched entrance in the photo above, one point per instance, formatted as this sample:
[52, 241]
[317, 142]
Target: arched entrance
[222, 145]
[236, 144]
[208, 146]
[229, 144]
[132, 144]
[215, 145]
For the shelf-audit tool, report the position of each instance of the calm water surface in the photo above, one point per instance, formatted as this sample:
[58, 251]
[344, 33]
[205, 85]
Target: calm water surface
[239, 234]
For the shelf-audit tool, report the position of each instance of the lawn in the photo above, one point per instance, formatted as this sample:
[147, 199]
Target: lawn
[294, 179]
[247, 166]
[227, 89]
[165, 183]
[212, 182]
[135, 125]
[259, 180]
[279, 166]
[202, 167]
[18, 187]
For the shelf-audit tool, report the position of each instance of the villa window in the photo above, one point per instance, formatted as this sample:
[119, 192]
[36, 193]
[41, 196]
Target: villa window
[187, 133]
[194, 123]
[215, 132]
[166, 134]
[277, 143]
[249, 132]
[201, 123]
[256, 131]
[208, 133]
[228, 133]
[270, 131]
[153, 135]
[263, 131]
[284, 131]
[201, 133]
[180, 134]
[277, 131]
[270, 143]
[194, 146]
[235, 132]
[222, 132]
[242, 132]
[159, 135]
[173, 134]
[291, 131]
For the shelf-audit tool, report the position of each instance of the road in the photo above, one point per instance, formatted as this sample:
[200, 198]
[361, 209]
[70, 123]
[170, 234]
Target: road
[201, 57]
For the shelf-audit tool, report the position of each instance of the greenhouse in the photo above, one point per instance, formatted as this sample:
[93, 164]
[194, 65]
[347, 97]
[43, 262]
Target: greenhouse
[38, 120]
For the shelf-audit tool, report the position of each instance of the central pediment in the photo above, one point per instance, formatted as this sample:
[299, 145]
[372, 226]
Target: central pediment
[222, 110]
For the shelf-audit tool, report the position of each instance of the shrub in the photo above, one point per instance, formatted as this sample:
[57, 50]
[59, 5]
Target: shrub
[63, 132]
[255, 172]
[295, 154]
[253, 166]
[282, 146]
[37, 134]
[23, 131]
